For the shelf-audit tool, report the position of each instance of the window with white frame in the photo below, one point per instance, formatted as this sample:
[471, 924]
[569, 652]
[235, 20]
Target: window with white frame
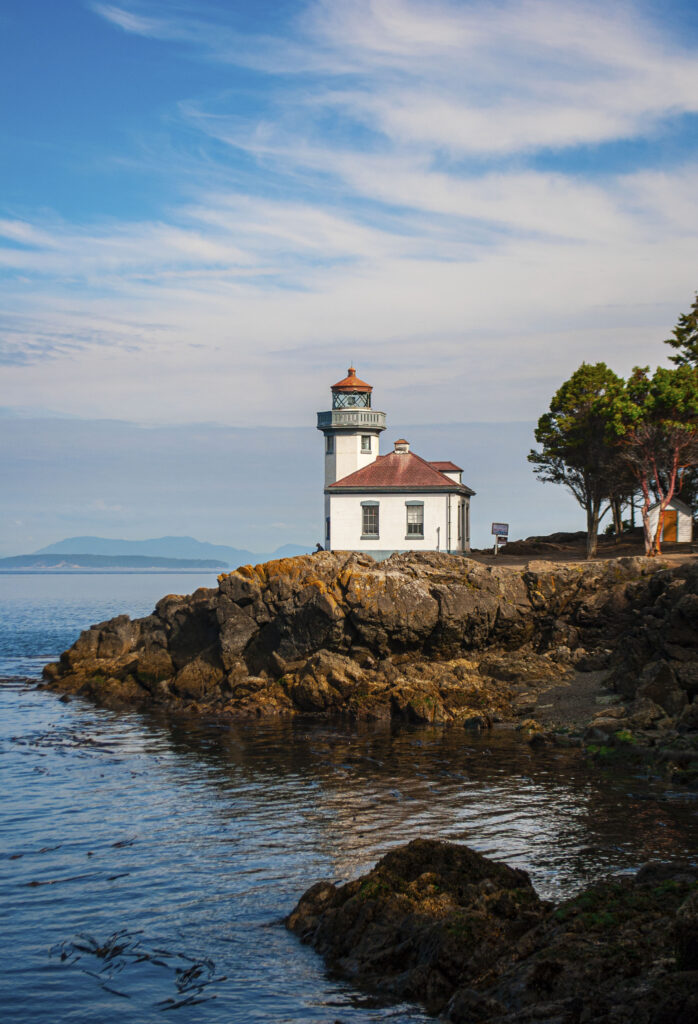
[327, 528]
[369, 519]
[365, 442]
[329, 444]
[415, 519]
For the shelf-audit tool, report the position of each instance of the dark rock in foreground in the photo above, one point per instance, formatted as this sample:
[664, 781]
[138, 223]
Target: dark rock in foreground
[469, 937]
[428, 918]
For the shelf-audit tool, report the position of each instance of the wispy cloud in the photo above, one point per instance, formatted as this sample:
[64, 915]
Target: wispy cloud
[481, 78]
[129, 21]
[402, 192]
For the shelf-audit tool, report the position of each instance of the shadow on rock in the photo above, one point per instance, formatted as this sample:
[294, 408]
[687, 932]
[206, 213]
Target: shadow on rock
[470, 938]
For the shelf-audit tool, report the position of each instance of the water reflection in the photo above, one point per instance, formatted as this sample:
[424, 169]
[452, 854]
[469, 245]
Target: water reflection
[194, 838]
[361, 790]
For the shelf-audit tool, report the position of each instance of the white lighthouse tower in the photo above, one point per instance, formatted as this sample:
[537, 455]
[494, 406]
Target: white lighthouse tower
[352, 432]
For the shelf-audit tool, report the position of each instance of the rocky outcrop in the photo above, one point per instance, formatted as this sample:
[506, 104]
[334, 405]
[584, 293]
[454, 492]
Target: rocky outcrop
[429, 917]
[659, 658]
[424, 638]
[654, 671]
[469, 937]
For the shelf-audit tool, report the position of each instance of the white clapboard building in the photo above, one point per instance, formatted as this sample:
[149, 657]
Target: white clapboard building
[385, 503]
[678, 522]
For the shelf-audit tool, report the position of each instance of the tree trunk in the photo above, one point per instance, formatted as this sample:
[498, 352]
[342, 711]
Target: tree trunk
[665, 499]
[592, 529]
[647, 530]
[617, 519]
[657, 539]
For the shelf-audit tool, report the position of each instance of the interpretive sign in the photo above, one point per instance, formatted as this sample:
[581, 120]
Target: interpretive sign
[500, 529]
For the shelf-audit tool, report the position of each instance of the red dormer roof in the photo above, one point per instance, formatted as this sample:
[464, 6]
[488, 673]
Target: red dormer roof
[399, 470]
[352, 383]
[446, 467]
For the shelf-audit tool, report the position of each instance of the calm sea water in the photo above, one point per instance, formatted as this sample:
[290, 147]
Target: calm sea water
[147, 861]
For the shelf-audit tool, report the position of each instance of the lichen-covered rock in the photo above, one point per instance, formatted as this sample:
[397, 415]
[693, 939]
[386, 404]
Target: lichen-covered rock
[423, 637]
[469, 937]
[658, 683]
[428, 918]
[606, 955]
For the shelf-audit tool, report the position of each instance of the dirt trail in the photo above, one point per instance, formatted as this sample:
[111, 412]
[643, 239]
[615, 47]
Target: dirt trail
[575, 702]
[672, 554]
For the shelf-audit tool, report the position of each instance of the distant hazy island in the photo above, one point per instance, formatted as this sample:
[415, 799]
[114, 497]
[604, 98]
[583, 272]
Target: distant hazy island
[87, 561]
[158, 553]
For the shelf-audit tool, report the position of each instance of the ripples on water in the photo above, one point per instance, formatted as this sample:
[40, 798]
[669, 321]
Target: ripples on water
[147, 860]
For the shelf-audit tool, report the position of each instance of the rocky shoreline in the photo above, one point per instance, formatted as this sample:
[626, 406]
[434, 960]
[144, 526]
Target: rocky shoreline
[603, 654]
[471, 939]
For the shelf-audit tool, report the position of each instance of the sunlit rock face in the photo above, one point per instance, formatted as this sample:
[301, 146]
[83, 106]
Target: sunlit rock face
[420, 637]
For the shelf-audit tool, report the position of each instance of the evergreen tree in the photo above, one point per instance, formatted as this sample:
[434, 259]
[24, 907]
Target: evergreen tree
[575, 446]
[685, 338]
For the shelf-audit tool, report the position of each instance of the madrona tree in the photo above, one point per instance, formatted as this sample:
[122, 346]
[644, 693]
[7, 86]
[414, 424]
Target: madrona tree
[574, 442]
[654, 422]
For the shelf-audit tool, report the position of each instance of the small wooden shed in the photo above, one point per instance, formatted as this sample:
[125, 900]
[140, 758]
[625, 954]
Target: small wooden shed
[678, 522]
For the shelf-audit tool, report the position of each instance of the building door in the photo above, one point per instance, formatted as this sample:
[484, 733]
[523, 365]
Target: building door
[669, 531]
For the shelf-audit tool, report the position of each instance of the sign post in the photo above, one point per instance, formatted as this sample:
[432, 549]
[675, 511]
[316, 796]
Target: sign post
[500, 532]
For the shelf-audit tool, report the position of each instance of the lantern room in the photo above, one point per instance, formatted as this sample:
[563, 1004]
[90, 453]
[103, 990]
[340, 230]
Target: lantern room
[351, 392]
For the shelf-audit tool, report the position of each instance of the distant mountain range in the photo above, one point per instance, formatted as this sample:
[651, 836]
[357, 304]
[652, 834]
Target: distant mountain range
[157, 553]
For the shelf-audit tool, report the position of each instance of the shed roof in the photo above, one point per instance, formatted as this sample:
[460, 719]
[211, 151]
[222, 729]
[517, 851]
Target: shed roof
[675, 503]
[446, 467]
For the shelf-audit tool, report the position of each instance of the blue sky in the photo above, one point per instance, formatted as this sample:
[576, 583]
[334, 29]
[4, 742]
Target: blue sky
[208, 209]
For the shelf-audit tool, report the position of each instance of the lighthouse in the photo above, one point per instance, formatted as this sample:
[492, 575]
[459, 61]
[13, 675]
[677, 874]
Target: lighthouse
[351, 427]
[385, 503]
[352, 432]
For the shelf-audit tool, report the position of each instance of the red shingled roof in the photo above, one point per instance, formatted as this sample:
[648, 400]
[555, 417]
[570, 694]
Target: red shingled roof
[446, 467]
[398, 469]
[351, 383]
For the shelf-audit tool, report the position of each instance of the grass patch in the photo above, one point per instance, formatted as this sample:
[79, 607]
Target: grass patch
[606, 907]
[625, 736]
[461, 927]
[373, 888]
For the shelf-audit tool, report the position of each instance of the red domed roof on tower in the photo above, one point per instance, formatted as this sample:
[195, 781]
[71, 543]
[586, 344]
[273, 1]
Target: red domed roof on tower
[352, 383]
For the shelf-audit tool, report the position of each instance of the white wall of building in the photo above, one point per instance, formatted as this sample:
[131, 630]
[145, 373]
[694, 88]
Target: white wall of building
[441, 523]
[347, 455]
[684, 529]
[684, 523]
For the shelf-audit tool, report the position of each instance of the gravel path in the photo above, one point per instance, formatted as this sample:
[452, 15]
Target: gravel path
[574, 703]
